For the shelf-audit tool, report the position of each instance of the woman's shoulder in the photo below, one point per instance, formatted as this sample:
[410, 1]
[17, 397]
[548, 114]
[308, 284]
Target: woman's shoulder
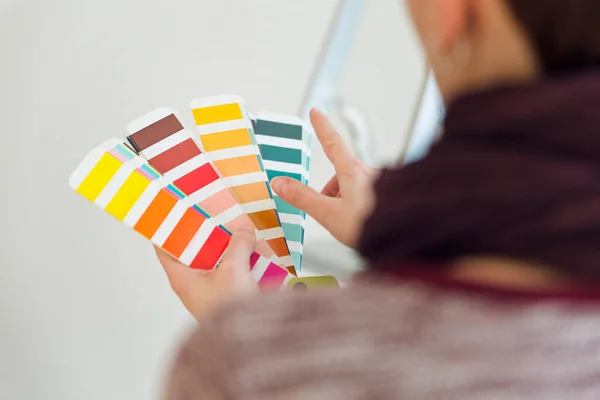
[273, 343]
[320, 344]
[299, 315]
[374, 302]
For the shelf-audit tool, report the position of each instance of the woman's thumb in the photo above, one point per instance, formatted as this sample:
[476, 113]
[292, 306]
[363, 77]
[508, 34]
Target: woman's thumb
[238, 252]
[301, 196]
[234, 270]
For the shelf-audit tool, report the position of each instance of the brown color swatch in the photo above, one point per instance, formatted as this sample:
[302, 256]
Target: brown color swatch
[156, 132]
[279, 247]
[265, 220]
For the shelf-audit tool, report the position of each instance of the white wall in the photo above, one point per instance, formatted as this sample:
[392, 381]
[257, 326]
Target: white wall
[85, 311]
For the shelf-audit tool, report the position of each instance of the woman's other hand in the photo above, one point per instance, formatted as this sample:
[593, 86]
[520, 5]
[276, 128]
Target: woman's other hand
[346, 200]
[203, 291]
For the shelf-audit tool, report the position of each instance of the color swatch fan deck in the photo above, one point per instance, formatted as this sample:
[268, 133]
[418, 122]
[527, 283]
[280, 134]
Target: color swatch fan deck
[284, 143]
[187, 189]
[227, 137]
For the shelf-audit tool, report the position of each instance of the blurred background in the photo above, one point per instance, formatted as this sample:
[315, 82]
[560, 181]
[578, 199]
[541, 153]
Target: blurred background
[85, 310]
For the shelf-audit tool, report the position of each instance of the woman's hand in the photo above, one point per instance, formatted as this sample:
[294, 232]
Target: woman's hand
[346, 200]
[203, 291]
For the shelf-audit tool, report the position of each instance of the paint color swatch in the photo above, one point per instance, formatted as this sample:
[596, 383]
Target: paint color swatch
[313, 283]
[283, 143]
[307, 140]
[161, 138]
[228, 141]
[127, 187]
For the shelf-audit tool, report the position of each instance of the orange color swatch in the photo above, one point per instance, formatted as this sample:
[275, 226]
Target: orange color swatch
[156, 213]
[251, 192]
[265, 220]
[238, 166]
[184, 232]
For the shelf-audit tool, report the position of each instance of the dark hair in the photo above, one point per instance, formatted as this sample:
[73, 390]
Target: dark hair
[565, 33]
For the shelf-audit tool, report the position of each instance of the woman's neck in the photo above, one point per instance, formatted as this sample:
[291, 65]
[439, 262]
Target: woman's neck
[508, 274]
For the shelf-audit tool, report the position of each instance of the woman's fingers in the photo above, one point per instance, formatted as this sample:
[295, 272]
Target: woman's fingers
[176, 271]
[332, 188]
[202, 291]
[336, 150]
[305, 198]
[233, 274]
[182, 279]
[237, 256]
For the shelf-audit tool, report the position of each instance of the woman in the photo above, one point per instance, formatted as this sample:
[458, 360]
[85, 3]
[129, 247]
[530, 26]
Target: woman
[483, 257]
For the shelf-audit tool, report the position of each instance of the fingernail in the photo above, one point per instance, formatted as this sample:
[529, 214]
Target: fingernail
[278, 185]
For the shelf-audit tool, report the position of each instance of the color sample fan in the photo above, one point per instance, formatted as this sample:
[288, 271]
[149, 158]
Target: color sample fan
[161, 138]
[228, 139]
[284, 143]
[186, 191]
[127, 187]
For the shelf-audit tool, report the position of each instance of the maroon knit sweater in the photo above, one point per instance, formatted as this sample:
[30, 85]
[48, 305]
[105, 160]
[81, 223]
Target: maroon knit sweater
[407, 341]
[517, 175]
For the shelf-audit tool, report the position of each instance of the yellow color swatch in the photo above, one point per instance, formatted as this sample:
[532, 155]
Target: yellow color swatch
[127, 195]
[220, 113]
[99, 177]
[226, 140]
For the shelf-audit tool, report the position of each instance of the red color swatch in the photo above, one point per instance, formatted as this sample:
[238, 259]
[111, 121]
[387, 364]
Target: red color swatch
[175, 156]
[196, 179]
[212, 250]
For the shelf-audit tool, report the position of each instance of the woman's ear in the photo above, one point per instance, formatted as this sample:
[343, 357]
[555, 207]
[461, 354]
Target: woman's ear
[453, 20]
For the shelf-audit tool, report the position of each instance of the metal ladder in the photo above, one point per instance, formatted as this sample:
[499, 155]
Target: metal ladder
[323, 92]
